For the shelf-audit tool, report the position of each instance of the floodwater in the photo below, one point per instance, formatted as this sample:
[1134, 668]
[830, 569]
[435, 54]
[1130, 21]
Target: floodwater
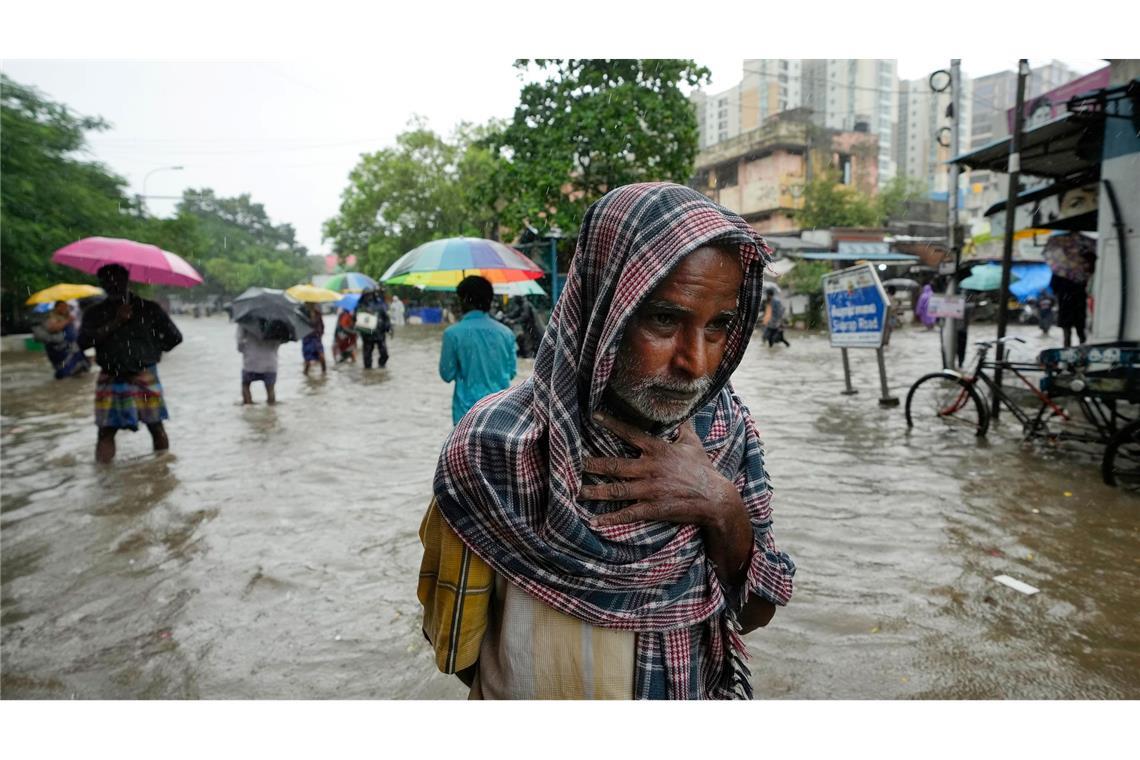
[272, 553]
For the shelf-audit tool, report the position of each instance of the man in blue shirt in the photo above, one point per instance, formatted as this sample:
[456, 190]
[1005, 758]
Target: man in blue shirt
[478, 352]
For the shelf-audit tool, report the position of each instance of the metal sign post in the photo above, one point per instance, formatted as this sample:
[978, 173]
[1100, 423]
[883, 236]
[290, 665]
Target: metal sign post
[886, 399]
[849, 391]
[857, 317]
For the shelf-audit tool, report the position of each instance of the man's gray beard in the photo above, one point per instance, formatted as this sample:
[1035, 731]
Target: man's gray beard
[639, 394]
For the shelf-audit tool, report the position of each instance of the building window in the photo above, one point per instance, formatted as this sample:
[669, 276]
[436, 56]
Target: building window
[726, 176]
[783, 65]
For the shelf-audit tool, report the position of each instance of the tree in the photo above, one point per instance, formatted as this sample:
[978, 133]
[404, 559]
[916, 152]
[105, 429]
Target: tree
[242, 219]
[827, 203]
[806, 276]
[49, 197]
[423, 188]
[591, 126]
[233, 243]
[892, 198]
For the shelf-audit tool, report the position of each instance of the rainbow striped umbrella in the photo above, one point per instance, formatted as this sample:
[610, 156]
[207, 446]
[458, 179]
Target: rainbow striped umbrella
[519, 288]
[350, 282]
[443, 263]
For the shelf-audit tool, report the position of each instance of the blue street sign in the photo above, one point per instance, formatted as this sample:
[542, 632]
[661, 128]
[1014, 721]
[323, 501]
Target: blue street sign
[856, 307]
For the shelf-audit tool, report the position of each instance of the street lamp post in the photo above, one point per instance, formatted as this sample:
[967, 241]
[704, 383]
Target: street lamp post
[152, 171]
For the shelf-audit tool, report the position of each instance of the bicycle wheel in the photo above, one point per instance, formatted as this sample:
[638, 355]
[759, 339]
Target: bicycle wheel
[1121, 464]
[942, 403]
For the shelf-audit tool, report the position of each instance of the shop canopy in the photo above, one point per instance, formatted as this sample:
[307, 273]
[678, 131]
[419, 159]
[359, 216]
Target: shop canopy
[1066, 150]
[1067, 146]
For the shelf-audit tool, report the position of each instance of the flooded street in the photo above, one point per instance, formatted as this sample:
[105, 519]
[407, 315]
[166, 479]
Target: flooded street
[272, 554]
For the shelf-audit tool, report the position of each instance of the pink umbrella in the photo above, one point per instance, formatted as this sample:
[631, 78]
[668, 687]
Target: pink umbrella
[145, 263]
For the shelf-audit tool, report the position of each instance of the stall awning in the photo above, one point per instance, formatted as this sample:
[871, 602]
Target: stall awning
[1068, 145]
[901, 258]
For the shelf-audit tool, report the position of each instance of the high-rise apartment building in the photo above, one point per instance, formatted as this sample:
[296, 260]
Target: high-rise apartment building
[994, 94]
[767, 87]
[922, 142]
[847, 95]
[864, 95]
[855, 95]
[718, 116]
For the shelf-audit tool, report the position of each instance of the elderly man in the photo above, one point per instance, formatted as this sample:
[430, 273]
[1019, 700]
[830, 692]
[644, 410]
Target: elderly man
[130, 335]
[603, 530]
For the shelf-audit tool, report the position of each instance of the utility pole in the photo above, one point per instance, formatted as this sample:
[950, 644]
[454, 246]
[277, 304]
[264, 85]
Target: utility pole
[950, 325]
[1010, 219]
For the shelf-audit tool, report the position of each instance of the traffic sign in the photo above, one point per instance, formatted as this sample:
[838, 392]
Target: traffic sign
[857, 307]
[948, 307]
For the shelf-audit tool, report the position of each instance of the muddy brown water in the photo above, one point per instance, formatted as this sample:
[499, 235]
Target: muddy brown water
[273, 552]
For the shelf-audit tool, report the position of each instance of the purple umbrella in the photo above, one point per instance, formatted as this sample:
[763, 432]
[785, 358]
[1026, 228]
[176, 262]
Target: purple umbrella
[1072, 256]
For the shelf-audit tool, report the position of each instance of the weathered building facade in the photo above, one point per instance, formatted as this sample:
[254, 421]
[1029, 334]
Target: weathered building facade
[760, 174]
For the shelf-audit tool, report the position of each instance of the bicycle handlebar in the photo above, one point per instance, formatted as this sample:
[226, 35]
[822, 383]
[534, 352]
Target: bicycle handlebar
[988, 343]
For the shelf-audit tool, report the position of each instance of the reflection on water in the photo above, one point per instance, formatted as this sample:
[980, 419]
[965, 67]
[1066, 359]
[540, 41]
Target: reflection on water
[272, 553]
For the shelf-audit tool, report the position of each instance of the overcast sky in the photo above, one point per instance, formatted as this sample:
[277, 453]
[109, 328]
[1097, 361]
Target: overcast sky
[290, 132]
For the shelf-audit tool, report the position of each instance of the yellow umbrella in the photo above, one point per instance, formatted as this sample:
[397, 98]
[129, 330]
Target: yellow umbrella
[312, 294]
[64, 292]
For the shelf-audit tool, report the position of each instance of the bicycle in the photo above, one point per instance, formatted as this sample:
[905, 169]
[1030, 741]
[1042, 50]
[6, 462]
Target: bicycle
[1097, 377]
[950, 399]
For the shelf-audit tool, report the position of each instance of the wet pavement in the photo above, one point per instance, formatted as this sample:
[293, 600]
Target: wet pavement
[273, 552]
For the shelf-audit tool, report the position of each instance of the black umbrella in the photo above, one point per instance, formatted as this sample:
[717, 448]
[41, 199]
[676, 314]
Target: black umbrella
[271, 314]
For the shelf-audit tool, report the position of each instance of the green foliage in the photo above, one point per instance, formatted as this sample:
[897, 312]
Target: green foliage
[234, 244]
[49, 197]
[422, 189]
[805, 276]
[894, 196]
[591, 126]
[827, 203]
[830, 204]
